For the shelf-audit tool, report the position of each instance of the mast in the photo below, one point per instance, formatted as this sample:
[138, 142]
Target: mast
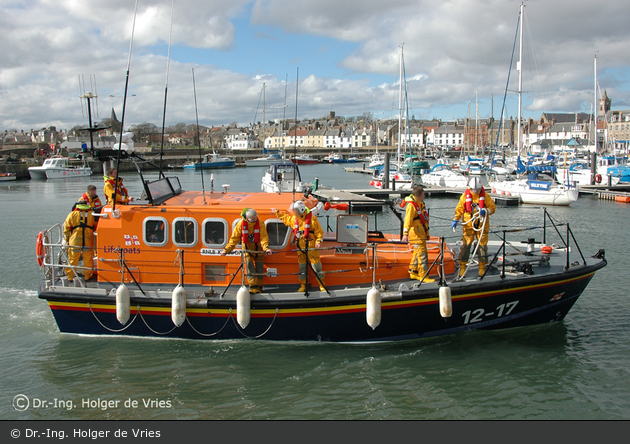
[519, 67]
[264, 119]
[400, 96]
[476, 120]
[595, 104]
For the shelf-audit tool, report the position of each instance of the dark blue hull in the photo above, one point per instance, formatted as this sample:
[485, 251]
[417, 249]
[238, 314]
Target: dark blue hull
[407, 315]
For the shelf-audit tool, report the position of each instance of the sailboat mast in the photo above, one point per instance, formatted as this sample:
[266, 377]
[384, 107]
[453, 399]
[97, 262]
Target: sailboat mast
[264, 119]
[400, 96]
[595, 105]
[519, 67]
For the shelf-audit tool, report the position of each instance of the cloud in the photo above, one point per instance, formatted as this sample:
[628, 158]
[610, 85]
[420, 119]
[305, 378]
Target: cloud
[452, 50]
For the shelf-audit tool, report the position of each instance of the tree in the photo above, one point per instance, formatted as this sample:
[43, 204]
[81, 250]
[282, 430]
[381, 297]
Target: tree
[142, 131]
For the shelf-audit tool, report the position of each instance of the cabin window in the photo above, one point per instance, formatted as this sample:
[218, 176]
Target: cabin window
[185, 232]
[278, 232]
[155, 231]
[215, 233]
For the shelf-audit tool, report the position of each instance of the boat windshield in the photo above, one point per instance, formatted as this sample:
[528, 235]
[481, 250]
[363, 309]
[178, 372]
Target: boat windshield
[159, 191]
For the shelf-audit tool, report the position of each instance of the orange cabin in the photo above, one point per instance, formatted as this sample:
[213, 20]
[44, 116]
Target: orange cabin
[151, 237]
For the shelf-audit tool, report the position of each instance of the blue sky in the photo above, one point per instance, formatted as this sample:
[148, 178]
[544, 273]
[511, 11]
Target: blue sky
[347, 52]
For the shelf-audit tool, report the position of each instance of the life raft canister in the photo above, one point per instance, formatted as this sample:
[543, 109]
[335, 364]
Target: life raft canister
[39, 248]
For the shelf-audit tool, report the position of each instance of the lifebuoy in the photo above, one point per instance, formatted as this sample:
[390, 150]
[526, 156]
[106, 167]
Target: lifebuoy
[39, 248]
[598, 178]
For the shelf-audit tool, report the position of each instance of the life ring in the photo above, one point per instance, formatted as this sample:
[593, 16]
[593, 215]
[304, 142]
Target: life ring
[39, 248]
[598, 178]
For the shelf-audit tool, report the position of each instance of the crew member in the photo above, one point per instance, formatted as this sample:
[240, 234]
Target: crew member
[474, 208]
[251, 233]
[308, 234]
[416, 231]
[92, 198]
[78, 234]
[122, 196]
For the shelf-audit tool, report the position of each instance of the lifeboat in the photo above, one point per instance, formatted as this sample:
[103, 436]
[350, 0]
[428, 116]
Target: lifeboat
[160, 273]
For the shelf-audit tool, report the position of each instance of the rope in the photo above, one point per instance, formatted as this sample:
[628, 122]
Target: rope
[111, 329]
[207, 335]
[260, 335]
[153, 331]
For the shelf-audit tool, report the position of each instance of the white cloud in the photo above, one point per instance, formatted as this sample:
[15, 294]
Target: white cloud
[452, 49]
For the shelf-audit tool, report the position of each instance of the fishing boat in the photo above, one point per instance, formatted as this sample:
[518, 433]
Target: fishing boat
[304, 159]
[160, 273]
[6, 177]
[282, 177]
[443, 175]
[58, 167]
[338, 158]
[214, 160]
[264, 161]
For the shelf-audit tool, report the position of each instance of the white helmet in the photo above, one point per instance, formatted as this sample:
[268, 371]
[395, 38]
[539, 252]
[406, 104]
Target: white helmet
[474, 184]
[299, 207]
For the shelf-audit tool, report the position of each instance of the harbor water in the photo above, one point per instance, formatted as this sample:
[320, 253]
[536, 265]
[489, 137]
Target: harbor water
[573, 370]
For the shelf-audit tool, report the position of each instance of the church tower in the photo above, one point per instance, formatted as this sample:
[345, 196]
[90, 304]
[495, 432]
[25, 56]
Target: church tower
[604, 105]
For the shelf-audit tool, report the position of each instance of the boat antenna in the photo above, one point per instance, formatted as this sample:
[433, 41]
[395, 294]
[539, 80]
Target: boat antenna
[122, 118]
[168, 62]
[203, 188]
[297, 83]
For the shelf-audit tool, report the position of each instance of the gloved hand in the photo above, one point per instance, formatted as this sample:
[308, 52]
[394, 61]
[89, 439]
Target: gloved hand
[454, 225]
[64, 242]
[482, 212]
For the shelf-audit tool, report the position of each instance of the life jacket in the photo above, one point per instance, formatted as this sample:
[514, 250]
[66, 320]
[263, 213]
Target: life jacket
[83, 222]
[119, 189]
[246, 237]
[468, 202]
[94, 202]
[423, 216]
[307, 224]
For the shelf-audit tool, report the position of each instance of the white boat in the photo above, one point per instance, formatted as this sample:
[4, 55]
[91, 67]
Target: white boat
[537, 188]
[282, 178]
[536, 183]
[211, 161]
[403, 180]
[58, 168]
[6, 177]
[264, 161]
[442, 175]
[376, 160]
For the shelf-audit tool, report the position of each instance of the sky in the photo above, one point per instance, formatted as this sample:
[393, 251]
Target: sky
[213, 58]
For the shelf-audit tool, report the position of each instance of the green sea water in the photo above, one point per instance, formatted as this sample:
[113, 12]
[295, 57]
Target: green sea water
[577, 369]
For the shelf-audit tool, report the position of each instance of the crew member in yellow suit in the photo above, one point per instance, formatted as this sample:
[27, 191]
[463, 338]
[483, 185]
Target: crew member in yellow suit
[416, 232]
[78, 234]
[474, 200]
[306, 231]
[251, 233]
[122, 195]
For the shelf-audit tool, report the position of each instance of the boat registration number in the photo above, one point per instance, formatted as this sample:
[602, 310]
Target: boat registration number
[478, 315]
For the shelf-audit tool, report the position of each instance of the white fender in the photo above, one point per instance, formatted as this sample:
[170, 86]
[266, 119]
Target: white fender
[373, 308]
[122, 304]
[242, 307]
[178, 306]
[446, 306]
